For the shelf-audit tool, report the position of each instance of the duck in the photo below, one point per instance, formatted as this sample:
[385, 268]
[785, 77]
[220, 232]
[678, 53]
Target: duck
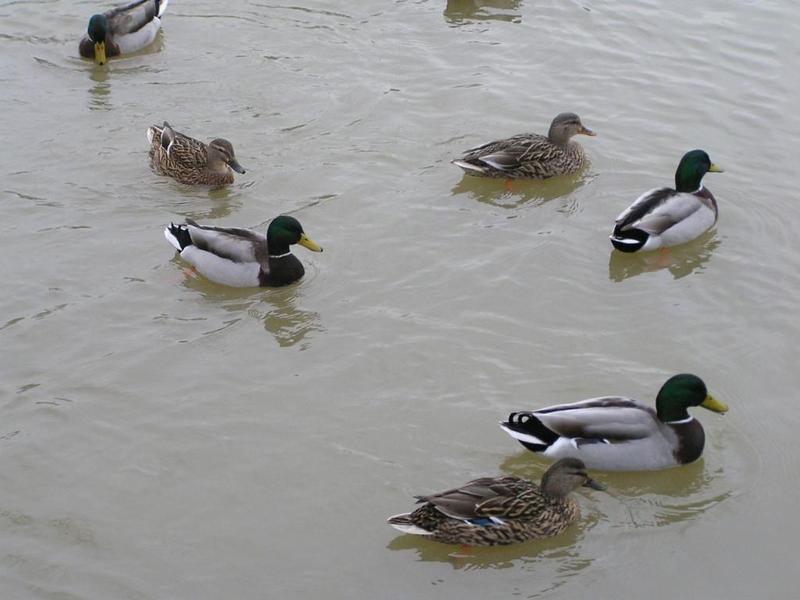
[530, 155]
[239, 257]
[122, 30]
[190, 161]
[498, 511]
[666, 217]
[614, 433]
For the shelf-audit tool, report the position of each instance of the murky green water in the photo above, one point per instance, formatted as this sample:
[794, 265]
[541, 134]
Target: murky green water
[162, 437]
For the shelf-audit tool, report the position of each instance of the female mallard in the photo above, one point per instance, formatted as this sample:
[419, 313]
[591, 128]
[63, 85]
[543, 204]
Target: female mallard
[619, 434]
[122, 30]
[241, 257]
[530, 155]
[664, 217]
[189, 160]
[499, 511]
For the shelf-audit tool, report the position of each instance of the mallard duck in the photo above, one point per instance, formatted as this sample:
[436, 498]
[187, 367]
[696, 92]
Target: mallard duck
[619, 434]
[122, 30]
[664, 217]
[241, 257]
[530, 155]
[189, 160]
[496, 511]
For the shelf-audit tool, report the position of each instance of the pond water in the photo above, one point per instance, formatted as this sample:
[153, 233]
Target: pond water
[163, 437]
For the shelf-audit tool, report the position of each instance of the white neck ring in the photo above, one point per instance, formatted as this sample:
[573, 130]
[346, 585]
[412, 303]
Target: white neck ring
[688, 419]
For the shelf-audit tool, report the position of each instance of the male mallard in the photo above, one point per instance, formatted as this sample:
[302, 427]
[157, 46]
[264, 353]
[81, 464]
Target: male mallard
[664, 217]
[619, 434]
[530, 155]
[189, 160]
[499, 511]
[241, 257]
[122, 30]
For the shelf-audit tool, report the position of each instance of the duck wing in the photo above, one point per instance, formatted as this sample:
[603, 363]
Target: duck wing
[181, 148]
[132, 17]
[233, 243]
[657, 210]
[465, 502]
[510, 153]
[610, 418]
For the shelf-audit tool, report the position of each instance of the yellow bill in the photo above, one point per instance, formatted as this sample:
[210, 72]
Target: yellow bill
[100, 53]
[715, 169]
[712, 403]
[309, 243]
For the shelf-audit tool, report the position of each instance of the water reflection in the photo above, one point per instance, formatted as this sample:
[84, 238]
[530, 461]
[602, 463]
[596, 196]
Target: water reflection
[680, 261]
[644, 498]
[100, 92]
[201, 203]
[288, 324]
[461, 11]
[223, 202]
[562, 547]
[275, 308]
[497, 193]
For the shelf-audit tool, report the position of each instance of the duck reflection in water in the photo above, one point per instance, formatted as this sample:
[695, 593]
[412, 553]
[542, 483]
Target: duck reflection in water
[458, 11]
[679, 261]
[223, 201]
[288, 324]
[100, 92]
[645, 498]
[565, 548]
[494, 191]
[276, 308]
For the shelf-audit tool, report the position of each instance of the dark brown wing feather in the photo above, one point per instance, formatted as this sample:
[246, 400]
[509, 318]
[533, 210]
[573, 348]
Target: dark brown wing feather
[528, 155]
[467, 501]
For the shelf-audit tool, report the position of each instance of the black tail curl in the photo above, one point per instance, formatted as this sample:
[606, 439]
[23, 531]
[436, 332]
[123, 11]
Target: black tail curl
[181, 233]
[528, 423]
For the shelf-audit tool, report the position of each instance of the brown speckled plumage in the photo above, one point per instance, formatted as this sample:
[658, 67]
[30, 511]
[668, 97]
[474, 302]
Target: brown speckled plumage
[530, 155]
[190, 161]
[500, 511]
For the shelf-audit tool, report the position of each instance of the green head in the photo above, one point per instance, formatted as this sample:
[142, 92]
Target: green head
[693, 166]
[566, 475]
[679, 393]
[98, 28]
[284, 231]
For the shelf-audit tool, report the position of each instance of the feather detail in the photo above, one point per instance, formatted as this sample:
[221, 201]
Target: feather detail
[617, 433]
[240, 257]
[188, 160]
[665, 217]
[499, 511]
[529, 155]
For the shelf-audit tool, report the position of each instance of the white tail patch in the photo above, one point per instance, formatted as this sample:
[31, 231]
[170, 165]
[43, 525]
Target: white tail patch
[408, 528]
[522, 437]
[468, 166]
[172, 239]
[626, 241]
[151, 133]
[162, 7]
[499, 166]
